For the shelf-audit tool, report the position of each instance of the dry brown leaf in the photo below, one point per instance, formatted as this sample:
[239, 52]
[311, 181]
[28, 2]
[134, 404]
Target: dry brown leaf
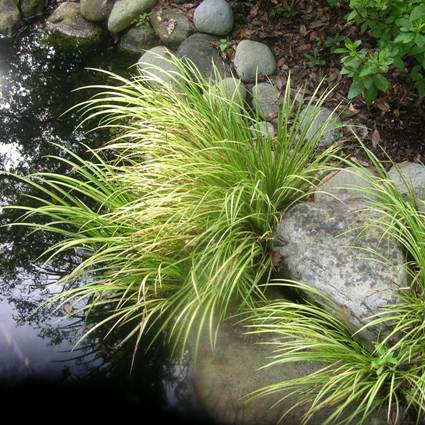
[333, 76]
[280, 82]
[170, 25]
[276, 259]
[353, 109]
[383, 105]
[67, 308]
[376, 138]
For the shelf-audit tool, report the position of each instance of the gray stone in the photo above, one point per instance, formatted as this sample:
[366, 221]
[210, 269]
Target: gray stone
[30, 8]
[409, 176]
[314, 119]
[266, 100]
[263, 129]
[138, 39]
[67, 21]
[253, 59]
[96, 10]
[330, 248]
[171, 26]
[233, 89]
[10, 19]
[222, 378]
[126, 12]
[200, 50]
[156, 62]
[214, 17]
[346, 184]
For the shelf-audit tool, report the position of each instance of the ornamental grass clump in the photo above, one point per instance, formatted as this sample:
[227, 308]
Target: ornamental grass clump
[176, 228]
[355, 382]
[351, 382]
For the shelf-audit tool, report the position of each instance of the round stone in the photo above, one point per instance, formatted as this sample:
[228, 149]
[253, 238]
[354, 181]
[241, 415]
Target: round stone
[253, 59]
[126, 12]
[234, 89]
[320, 122]
[138, 39]
[171, 25]
[214, 17]
[200, 50]
[266, 100]
[407, 177]
[156, 63]
[96, 10]
[263, 129]
[67, 21]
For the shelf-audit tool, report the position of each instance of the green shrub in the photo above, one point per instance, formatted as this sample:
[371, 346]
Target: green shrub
[177, 228]
[399, 29]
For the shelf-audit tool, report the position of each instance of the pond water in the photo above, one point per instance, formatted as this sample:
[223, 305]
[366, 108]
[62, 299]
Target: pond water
[38, 360]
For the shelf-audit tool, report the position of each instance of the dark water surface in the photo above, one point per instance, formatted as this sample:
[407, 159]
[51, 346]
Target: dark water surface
[37, 361]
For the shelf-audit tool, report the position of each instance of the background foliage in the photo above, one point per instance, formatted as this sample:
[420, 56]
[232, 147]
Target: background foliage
[398, 26]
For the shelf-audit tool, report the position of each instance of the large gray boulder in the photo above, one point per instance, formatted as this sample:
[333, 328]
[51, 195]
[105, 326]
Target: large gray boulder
[266, 100]
[222, 377]
[96, 10]
[68, 22]
[200, 49]
[312, 119]
[409, 176]
[126, 12]
[171, 25]
[10, 19]
[332, 249]
[214, 17]
[253, 59]
[30, 8]
[156, 63]
[138, 39]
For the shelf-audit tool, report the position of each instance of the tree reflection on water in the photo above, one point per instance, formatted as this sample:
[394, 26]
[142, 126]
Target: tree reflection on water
[36, 344]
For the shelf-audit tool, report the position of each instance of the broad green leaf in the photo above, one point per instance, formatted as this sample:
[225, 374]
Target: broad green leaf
[370, 94]
[381, 82]
[405, 38]
[356, 88]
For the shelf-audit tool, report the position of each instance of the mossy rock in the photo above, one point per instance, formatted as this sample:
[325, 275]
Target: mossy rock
[31, 8]
[69, 29]
[138, 39]
[96, 10]
[10, 19]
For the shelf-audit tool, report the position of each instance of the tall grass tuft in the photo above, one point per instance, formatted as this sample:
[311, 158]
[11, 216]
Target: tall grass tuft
[176, 228]
[352, 381]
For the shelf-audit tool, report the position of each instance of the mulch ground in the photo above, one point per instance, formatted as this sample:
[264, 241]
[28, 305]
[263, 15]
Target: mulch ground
[299, 40]
[299, 37]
